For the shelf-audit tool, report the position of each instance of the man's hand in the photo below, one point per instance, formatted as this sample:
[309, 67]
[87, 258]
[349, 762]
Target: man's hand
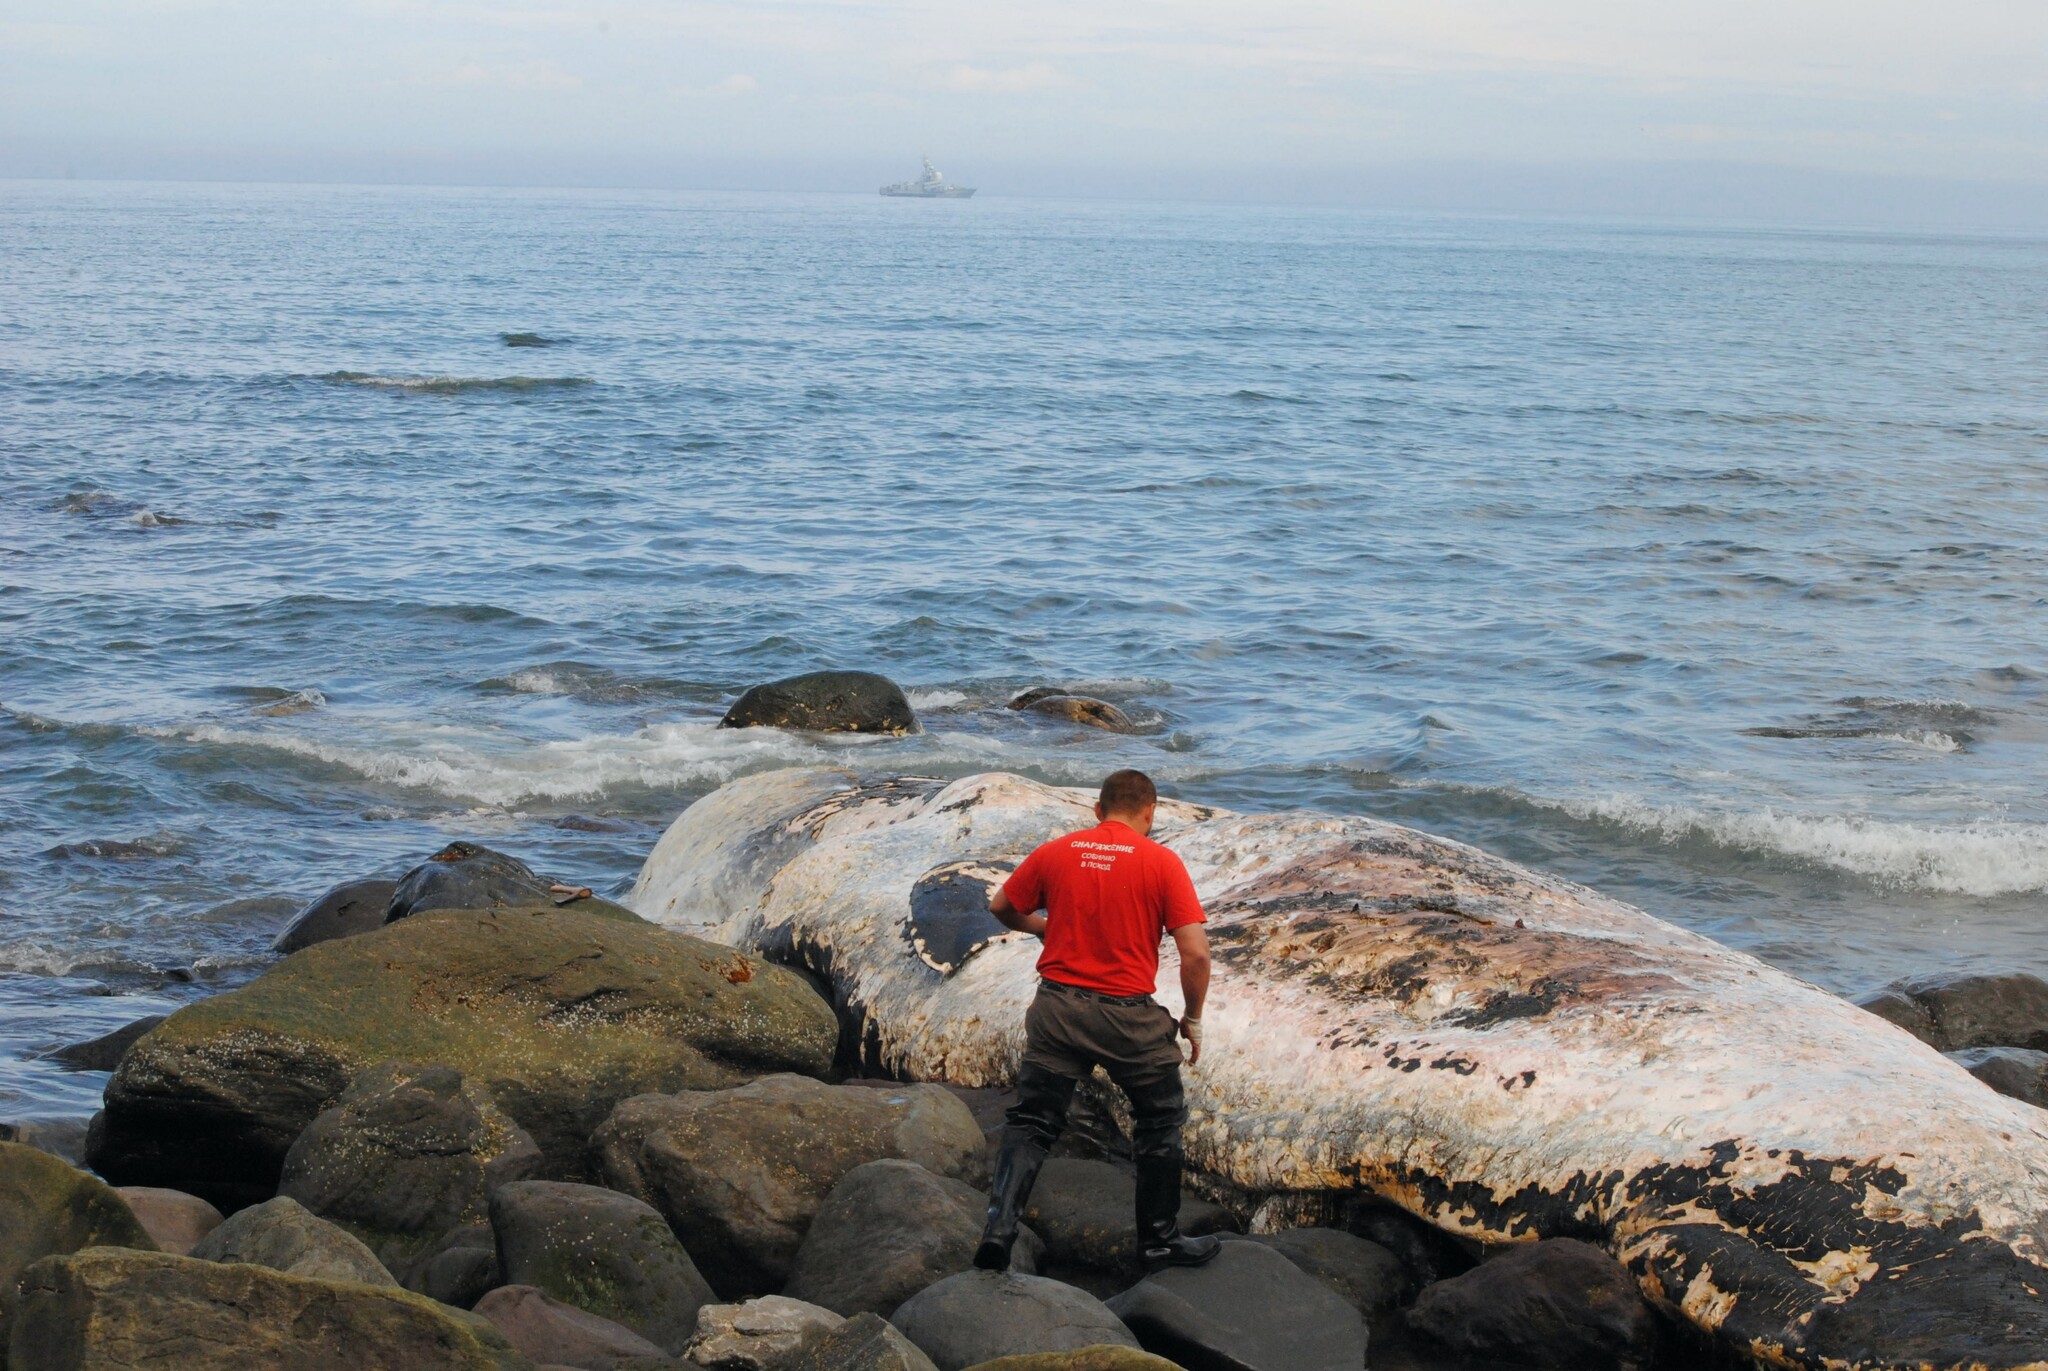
[1193, 944]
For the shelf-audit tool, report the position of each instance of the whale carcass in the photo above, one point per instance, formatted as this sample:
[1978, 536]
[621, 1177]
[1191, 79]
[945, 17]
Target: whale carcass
[1506, 1055]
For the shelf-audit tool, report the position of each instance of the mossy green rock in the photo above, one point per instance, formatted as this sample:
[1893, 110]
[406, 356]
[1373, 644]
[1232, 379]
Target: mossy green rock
[1103, 1358]
[49, 1207]
[557, 1016]
[105, 1307]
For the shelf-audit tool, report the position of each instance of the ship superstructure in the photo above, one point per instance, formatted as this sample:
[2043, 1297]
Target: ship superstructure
[933, 185]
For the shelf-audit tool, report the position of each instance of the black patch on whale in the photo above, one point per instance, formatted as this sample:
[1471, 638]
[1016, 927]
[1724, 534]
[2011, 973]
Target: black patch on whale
[949, 918]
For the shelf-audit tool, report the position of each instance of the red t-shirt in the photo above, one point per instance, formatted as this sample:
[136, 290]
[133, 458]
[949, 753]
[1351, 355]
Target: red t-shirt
[1108, 896]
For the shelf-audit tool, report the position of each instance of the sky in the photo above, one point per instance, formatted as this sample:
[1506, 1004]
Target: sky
[1938, 108]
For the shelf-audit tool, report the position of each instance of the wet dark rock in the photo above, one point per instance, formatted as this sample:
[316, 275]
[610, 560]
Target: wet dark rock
[558, 1334]
[1250, 1309]
[48, 1207]
[2021, 1072]
[888, 1230]
[468, 876]
[556, 1016]
[825, 702]
[408, 1153]
[348, 909]
[1086, 1214]
[104, 1053]
[63, 1138]
[108, 1308]
[1079, 709]
[174, 1220]
[1559, 1303]
[865, 1342]
[1363, 1274]
[1426, 1253]
[978, 1316]
[758, 1335]
[525, 340]
[284, 1236]
[606, 1253]
[460, 1269]
[115, 849]
[1952, 1012]
[743, 1172]
[587, 823]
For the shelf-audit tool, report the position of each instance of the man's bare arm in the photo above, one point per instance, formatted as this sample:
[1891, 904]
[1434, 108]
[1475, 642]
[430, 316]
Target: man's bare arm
[1015, 919]
[1193, 942]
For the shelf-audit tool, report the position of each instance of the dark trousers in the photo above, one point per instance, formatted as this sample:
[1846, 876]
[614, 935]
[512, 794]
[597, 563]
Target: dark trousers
[1067, 1034]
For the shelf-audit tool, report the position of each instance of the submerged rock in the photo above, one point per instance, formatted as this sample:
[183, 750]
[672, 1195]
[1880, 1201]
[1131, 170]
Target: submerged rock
[1952, 1012]
[1249, 1309]
[558, 1334]
[886, 1231]
[603, 1252]
[404, 1156]
[980, 1315]
[556, 1016]
[104, 1053]
[284, 1236]
[1560, 1303]
[1078, 709]
[2021, 1072]
[108, 1308]
[758, 1335]
[348, 909]
[825, 702]
[173, 1219]
[744, 1171]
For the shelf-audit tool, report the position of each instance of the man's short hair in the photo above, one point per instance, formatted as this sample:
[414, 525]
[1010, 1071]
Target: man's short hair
[1127, 792]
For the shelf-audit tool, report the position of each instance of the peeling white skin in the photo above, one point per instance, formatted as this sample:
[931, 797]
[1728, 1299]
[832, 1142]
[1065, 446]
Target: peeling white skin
[1664, 1044]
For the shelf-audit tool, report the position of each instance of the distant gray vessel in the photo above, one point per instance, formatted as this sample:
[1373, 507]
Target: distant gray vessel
[933, 185]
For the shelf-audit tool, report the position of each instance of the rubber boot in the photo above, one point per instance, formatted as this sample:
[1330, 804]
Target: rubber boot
[1160, 1241]
[1016, 1172]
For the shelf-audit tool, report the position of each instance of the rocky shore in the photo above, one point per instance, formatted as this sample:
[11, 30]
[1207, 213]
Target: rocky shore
[481, 1117]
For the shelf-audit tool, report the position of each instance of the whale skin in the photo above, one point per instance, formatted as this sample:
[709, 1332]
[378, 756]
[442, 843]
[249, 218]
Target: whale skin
[1506, 1055]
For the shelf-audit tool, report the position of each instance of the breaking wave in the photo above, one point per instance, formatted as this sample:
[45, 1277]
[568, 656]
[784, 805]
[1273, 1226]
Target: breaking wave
[1984, 858]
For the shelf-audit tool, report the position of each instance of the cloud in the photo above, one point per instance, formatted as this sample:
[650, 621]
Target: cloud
[739, 83]
[1005, 81]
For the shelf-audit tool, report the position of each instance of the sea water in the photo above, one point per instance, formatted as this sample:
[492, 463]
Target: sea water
[1702, 565]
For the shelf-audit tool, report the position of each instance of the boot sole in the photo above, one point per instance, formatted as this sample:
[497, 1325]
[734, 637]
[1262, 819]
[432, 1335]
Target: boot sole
[992, 1256]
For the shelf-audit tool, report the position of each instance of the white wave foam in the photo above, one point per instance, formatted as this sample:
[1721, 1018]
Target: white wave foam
[1985, 858]
[506, 772]
[935, 699]
[454, 385]
[538, 680]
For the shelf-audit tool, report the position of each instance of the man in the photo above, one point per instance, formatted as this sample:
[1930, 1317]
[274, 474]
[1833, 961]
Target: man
[1109, 893]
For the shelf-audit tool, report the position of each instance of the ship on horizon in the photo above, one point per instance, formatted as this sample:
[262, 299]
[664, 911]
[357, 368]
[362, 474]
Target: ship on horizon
[933, 185]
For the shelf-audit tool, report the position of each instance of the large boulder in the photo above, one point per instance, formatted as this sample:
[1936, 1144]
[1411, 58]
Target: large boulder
[1250, 1309]
[741, 1173]
[1085, 710]
[284, 1236]
[348, 909]
[460, 1269]
[49, 1207]
[980, 1315]
[1952, 1012]
[1365, 1275]
[865, 1342]
[2021, 1072]
[757, 1335]
[825, 702]
[173, 1219]
[104, 1053]
[405, 1155]
[1099, 1358]
[557, 1016]
[888, 1230]
[105, 1307]
[1086, 1213]
[603, 1252]
[558, 1334]
[471, 876]
[1559, 1303]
